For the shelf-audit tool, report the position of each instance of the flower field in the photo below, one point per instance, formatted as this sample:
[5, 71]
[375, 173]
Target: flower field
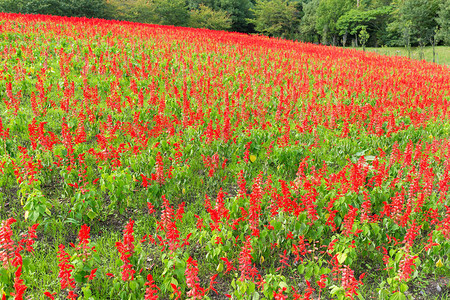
[141, 161]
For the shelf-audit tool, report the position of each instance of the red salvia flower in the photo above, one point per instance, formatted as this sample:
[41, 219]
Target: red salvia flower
[242, 193]
[349, 283]
[160, 176]
[192, 280]
[245, 260]
[279, 295]
[199, 224]
[151, 208]
[29, 239]
[406, 267]
[255, 205]
[6, 243]
[411, 234]
[247, 152]
[176, 291]
[65, 269]
[349, 220]
[151, 292]
[145, 181]
[72, 295]
[4, 133]
[284, 261]
[19, 286]
[126, 250]
[180, 211]
[228, 264]
[168, 225]
[50, 295]
[212, 282]
[91, 275]
[323, 281]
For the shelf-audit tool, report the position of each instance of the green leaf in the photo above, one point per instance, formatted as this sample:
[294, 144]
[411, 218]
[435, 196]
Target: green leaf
[277, 225]
[335, 289]
[309, 272]
[283, 285]
[341, 257]
[398, 296]
[133, 285]
[219, 267]
[86, 292]
[255, 296]
[79, 277]
[34, 216]
[403, 287]
[91, 214]
[4, 278]
[251, 287]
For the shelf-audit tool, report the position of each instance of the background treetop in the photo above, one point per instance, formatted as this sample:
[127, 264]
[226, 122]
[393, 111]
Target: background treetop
[336, 22]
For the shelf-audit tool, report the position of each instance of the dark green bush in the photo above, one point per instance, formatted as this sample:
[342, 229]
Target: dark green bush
[71, 8]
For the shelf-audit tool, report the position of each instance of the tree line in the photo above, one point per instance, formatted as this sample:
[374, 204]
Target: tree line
[331, 22]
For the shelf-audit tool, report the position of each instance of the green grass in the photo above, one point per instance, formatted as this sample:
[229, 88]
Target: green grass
[442, 53]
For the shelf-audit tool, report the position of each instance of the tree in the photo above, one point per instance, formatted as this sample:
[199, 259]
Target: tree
[373, 4]
[420, 18]
[46, 7]
[308, 22]
[240, 13]
[443, 21]
[278, 18]
[354, 20]
[13, 6]
[132, 10]
[74, 8]
[195, 4]
[170, 12]
[164, 12]
[364, 37]
[328, 13]
[89, 8]
[206, 17]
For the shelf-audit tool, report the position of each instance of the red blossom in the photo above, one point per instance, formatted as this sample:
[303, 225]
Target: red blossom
[126, 250]
[151, 292]
[92, 275]
[229, 265]
[50, 295]
[176, 291]
[65, 269]
[192, 280]
[212, 282]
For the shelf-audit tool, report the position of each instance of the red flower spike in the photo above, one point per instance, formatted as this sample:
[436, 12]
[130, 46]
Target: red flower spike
[255, 205]
[192, 280]
[65, 268]
[212, 282]
[50, 295]
[284, 261]
[176, 291]
[126, 250]
[151, 292]
[279, 295]
[92, 275]
[229, 265]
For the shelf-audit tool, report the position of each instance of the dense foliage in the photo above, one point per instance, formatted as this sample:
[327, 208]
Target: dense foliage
[336, 22]
[190, 163]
